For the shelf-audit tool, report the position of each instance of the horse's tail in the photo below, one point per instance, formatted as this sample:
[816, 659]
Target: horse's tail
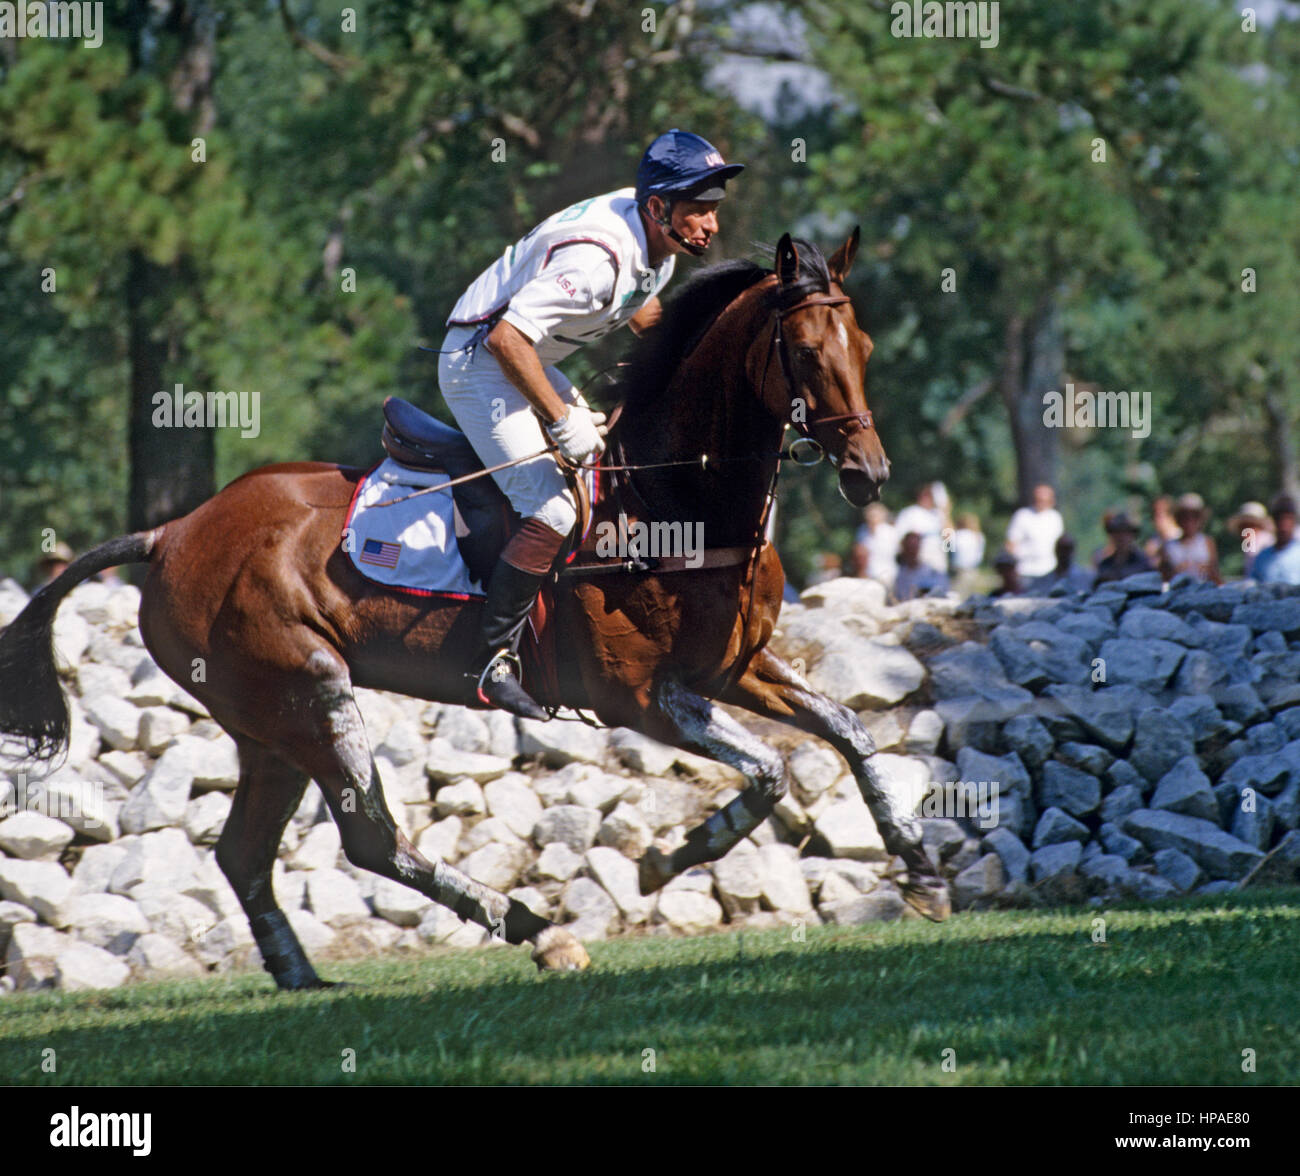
[33, 709]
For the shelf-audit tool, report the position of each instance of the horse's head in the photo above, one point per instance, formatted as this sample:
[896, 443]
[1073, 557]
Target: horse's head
[810, 368]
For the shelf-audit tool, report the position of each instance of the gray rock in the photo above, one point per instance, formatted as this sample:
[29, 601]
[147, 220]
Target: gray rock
[974, 720]
[1220, 887]
[861, 673]
[1029, 739]
[1148, 665]
[1223, 641]
[557, 863]
[1054, 861]
[1056, 826]
[1117, 842]
[964, 671]
[982, 879]
[1212, 601]
[42, 886]
[159, 800]
[738, 878]
[880, 906]
[618, 877]
[1107, 715]
[205, 817]
[814, 769]
[570, 823]
[1008, 847]
[463, 798]
[1150, 887]
[1240, 703]
[1253, 824]
[1140, 624]
[158, 957]
[1019, 663]
[1078, 793]
[1286, 806]
[164, 858]
[1198, 713]
[105, 920]
[1109, 869]
[1289, 721]
[1267, 774]
[850, 832]
[511, 799]
[640, 754]
[32, 835]
[335, 899]
[497, 864]
[31, 959]
[557, 744]
[449, 765]
[1178, 868]
[400, 905]
[1220, 854]
[687, 911]
[1160, 740]
[941, 838]
[784, 888]
[1281, 616]
[626, 830]
[320, 848]
[83, 968]
[1124, 800]
[11, 914]
[1092, 625]
[1265, 739]
[1186, 789]
[1087, 757]
[1006, 772]
[924, 732]
[1122, 773]
[1201, 673]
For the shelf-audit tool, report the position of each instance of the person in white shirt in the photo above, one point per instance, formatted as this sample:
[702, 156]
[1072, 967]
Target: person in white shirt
[578, 275]
[875, 547]
[1033, 532]
[925, 519]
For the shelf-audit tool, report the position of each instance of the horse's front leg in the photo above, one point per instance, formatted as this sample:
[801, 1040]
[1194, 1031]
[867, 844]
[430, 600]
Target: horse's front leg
[681, 718]
[772, 688]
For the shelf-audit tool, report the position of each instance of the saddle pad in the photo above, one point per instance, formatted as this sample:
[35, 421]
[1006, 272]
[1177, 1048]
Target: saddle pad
[409, 545]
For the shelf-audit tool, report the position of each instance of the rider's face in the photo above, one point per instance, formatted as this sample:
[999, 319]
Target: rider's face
[696, 220]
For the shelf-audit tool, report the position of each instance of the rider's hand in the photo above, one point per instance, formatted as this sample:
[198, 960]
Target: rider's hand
[577, 434]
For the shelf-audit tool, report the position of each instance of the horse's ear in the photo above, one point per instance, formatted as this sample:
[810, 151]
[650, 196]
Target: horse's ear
[841, 261]
[787, 260]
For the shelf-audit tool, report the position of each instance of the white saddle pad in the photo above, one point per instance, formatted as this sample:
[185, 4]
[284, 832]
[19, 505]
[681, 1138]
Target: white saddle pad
[410, 544]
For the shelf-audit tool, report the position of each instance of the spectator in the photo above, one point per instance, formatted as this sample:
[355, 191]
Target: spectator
[926, 519]
[914, 577]
[1008, 570]
[875, 547]
[1033, 532]
[1127, 559]
[1075, 578]
[1280, 564]
[967, 552]
[1252, 526]
[1193, 553]
[829, 567]
[50, 566]
[1166, 528]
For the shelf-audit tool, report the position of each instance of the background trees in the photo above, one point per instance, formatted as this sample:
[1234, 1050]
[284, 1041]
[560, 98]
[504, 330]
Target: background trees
[350, 175]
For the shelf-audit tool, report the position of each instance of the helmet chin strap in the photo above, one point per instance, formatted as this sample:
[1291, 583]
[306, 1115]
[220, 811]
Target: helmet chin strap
[666, 225]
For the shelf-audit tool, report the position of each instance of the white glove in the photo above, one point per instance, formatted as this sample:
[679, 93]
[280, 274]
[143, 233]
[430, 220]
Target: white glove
[577, 435]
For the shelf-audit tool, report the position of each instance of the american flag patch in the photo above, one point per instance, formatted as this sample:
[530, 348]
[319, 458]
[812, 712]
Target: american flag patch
[379, 553]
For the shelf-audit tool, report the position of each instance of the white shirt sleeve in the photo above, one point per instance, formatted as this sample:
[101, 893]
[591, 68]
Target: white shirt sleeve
[578, 280]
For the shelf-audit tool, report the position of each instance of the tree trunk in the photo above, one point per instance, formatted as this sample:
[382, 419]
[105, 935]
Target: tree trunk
[1283, 441]
[1033, 359]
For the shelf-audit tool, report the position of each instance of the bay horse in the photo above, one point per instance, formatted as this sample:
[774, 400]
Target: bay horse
[254, 583]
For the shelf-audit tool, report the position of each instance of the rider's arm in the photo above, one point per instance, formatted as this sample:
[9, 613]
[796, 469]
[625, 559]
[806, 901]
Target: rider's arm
[647, 316]
[519, 361]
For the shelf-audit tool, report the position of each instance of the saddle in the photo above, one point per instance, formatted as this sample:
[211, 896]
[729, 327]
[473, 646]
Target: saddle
[413, 438]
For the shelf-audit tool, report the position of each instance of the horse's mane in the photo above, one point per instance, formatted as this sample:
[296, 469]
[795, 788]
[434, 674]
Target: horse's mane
[690, 313]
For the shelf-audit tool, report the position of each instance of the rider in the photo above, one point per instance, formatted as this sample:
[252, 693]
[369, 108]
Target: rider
[579, 274]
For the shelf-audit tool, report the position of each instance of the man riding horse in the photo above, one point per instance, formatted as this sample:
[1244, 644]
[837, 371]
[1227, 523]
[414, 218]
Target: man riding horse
[575, 277]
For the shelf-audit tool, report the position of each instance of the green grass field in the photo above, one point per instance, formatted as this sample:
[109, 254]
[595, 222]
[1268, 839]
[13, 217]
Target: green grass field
[1174, 995]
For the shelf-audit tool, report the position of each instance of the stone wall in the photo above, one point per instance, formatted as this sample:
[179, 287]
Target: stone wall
[1131, 743]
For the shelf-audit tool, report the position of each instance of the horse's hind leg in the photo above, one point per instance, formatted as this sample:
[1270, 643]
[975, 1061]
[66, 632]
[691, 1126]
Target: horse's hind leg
[772, 688]
[269, 791]
[687, 720]
[337, 755]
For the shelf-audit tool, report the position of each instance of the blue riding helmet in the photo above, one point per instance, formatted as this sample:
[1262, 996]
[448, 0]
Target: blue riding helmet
[683, 165]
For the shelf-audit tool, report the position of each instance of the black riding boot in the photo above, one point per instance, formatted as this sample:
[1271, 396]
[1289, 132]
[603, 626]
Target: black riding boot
[510, 598]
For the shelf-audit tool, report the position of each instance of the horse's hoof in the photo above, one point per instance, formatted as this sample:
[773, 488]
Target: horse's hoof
[654, 870]
[929, 897]
[556, 950]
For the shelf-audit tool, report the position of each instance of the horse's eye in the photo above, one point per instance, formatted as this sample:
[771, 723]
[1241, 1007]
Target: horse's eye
[806, 354]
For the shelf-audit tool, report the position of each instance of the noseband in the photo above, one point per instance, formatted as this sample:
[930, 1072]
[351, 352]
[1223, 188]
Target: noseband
[861, 420]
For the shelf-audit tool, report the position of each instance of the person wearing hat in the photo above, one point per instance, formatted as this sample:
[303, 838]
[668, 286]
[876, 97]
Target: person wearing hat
[50, 566]
[1193, 552]
[578, 275]
[1126, 557]
[1252, 526]
[1280, 564]
[1007, 567]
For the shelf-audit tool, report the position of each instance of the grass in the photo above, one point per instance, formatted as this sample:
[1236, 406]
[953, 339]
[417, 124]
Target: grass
[1174, 995]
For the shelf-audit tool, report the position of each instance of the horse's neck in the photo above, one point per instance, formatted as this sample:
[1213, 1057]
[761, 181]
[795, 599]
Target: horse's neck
[709, 409]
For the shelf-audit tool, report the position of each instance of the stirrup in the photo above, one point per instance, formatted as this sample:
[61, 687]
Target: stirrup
[503, 675]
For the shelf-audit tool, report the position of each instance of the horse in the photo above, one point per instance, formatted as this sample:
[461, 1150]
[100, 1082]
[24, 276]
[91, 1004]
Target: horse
[254, 582]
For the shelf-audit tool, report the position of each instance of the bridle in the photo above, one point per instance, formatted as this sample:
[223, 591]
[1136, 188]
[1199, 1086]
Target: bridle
[849, 422]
